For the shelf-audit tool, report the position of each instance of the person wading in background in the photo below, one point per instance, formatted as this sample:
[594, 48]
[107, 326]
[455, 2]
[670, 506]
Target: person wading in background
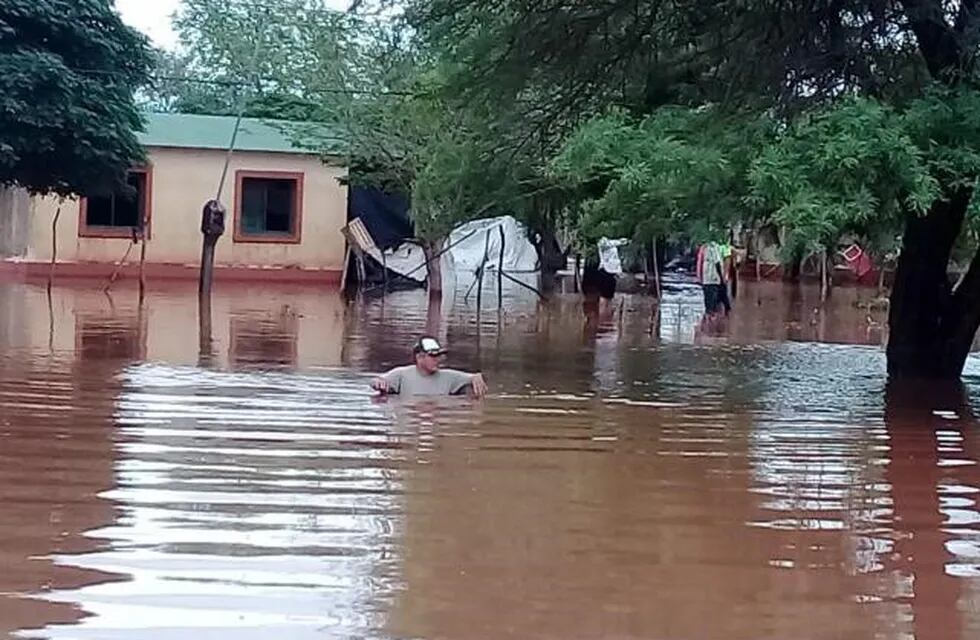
[711, 275]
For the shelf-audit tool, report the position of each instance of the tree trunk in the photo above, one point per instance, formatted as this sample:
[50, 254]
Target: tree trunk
[433, 314]
[550, 257]
[733, 273]
[824, 277]
[432, 250]
[479, 275]
[792, 271]
[656, 270]
[54, 247]
[931, 327]
[575, 276]
[142, 277]
[500, 271]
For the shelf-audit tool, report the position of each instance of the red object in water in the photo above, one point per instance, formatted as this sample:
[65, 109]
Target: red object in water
[858, 260]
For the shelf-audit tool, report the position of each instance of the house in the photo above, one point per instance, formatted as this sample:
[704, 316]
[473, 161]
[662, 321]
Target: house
[286, 206]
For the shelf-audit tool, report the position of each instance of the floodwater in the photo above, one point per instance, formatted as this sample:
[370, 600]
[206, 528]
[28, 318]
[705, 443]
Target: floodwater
[626, 479]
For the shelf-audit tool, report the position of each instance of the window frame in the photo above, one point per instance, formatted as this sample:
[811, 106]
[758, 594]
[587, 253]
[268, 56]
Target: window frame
[242, 237]
[95, 231]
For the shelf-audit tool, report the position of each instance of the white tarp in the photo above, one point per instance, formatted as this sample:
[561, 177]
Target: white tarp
[467, 245]
[406, 260]
[609, 255]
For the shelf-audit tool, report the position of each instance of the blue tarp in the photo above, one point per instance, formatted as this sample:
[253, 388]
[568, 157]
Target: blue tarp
[385, 215]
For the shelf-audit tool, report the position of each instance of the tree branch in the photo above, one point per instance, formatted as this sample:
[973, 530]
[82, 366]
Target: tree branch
[938, 44]
[965, 17]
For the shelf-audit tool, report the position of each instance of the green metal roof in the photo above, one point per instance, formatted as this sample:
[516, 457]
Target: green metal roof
[180, 130]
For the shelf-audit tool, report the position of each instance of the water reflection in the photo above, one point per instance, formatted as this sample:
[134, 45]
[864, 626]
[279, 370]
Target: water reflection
[748, 485]
[934, 484]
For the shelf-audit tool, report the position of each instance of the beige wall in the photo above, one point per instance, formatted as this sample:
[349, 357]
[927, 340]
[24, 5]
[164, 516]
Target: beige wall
[183, 180]
[14, 222]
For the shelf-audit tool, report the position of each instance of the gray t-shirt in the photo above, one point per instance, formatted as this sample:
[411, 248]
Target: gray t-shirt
[409, 381]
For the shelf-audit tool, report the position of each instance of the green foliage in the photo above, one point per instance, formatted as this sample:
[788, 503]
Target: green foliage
[677, 172]
[175, 89]
[840, 164]
[945, 124]
[302, 61]
[418, 145]
[755, 53]
[846, 168]
[676, 118]
[68, 71]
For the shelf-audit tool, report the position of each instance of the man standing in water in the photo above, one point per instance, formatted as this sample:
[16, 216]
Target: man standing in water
[427, 378]
[710, 269]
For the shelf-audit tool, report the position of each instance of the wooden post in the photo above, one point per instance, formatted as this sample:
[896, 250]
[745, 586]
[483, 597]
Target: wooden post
[384, 270]
[479, 274]
[54, 247]
[655, 319]
[648, 273]
[361, 269]
[50, 320]
[142, 273]
[343, 274]
[824, 279]
[758, 255]
[142, 268]
[578, 267]
[118, 269]
[733, 272]
[207, 267]
[500, 269]
[656, 269]
[205, 350]
[212, 227]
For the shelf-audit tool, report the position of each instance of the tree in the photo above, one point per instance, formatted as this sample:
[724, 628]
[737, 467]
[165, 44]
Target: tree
[68, 72]
[408, 140]
[786, 59]
[851, 168]
[369, 78]
[175, 88]
[675, 173]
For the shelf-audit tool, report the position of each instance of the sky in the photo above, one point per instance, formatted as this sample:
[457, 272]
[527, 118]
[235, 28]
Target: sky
[152, 17]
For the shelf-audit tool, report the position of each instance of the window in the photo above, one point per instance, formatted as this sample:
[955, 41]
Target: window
[119, 214]
[268, 207]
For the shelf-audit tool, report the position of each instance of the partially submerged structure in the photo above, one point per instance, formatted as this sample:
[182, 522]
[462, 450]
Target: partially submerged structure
[286, 203]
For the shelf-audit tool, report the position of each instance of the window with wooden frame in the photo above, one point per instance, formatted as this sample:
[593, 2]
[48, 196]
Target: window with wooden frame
[121, 214]
[268, 206]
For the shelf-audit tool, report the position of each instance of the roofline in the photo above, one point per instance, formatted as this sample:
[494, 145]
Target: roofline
[297, 152]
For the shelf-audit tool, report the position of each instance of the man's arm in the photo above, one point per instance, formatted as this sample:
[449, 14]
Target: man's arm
[461, 381]
[390, 382]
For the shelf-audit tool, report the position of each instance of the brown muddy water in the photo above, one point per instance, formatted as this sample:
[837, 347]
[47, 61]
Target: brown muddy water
[624, 480]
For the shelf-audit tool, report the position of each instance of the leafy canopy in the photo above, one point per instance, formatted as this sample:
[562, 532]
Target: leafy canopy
[68, 72]
[676, 172]
[847, 168]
